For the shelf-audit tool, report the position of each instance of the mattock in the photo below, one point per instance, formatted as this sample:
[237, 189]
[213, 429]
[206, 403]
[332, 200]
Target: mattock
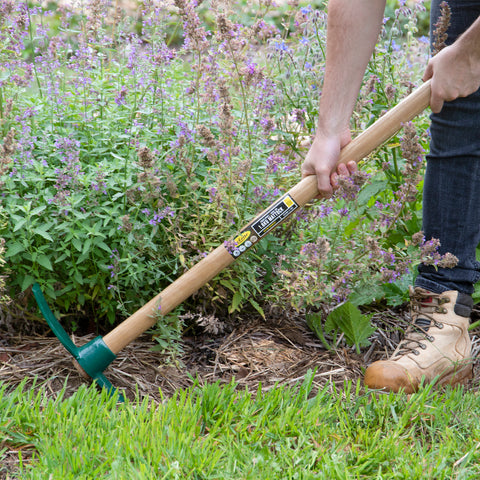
[95, 356]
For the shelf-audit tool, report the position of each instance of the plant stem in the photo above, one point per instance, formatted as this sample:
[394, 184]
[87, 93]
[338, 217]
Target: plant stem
[30, 33]
[249, 133]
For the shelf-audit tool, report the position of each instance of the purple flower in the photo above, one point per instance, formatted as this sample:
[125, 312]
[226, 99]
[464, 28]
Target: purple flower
[212, 192]
[159, 215]
[324, 210]
[120, 99]
[343, 212]
[280, 46]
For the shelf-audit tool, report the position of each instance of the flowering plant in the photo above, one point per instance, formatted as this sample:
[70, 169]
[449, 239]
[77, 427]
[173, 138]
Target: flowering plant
[363, 245]
[129, 152]
[126, 159]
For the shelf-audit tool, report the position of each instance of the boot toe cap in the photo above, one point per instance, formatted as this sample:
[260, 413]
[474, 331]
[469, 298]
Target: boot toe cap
[389, 376]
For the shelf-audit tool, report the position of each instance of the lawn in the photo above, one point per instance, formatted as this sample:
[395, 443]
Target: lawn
[223, 432]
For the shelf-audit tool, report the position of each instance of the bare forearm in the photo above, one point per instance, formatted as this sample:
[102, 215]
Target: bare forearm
[352, 31]
[469, 42]
[353, 28]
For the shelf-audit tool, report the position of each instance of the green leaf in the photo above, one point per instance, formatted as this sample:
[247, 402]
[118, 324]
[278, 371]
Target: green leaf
[371, 190]
[314, 322]
[476, 293]
[38, 210]
[82, 258]
[44, 261]
[367, 294]
[78, 278]
[77, 244]
[27, 281]
[81, 215]
[394, 294]
[61, 258]
[118, 157]
[236, 301]
[257, 307]
[350, 228]
[103, 246]
[41, 231]
[86, 246]
[228, 285]
[20, 224]
[356, 327]
[14, 249]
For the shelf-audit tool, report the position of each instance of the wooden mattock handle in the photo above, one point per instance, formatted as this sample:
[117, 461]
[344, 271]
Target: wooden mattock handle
[301, 193]
[374, 136]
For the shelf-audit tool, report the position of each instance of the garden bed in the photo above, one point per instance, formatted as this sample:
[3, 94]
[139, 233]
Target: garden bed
[255, 352]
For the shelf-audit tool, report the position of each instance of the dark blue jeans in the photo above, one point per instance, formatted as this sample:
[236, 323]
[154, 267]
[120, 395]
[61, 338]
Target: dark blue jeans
[451, 203]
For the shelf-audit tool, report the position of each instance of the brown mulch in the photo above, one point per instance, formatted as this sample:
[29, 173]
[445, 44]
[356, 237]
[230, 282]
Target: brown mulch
[252, 355]
[253, 352]
[257, 351]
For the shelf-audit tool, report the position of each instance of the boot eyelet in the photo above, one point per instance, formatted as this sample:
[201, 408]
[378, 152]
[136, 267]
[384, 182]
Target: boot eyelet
[440, 310]
[430, 338]
[416, 352]
[438, 325]
[423, 346]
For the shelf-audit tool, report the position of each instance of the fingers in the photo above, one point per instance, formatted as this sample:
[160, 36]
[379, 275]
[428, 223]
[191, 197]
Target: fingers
[436, 103]
[428, 72]
[348, 168]
[325, 185]
[334, 180]
[343, 170]
[436, 100]
[328, 182]
[452, 76]
[321, 160]
[323, 181]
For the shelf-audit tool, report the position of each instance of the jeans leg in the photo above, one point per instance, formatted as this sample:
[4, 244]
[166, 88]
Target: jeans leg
[451, 213]
[451, 196]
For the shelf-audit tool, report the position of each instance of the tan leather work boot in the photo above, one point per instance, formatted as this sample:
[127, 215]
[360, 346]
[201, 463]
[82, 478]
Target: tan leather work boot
[436, 347]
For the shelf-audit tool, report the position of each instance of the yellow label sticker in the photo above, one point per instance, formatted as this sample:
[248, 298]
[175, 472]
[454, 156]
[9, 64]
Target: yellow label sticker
[266, 221]
[242, 237]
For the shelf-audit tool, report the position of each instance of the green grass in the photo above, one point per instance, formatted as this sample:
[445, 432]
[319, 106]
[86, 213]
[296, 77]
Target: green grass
[220, 432]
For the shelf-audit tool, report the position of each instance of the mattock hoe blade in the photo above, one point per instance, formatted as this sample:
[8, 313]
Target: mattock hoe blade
[92, 358]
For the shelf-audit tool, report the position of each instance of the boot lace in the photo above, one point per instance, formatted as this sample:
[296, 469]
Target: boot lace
[422, 308]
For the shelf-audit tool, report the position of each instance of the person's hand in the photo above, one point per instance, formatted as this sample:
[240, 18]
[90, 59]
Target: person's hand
[455, 72]
[321, 160]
